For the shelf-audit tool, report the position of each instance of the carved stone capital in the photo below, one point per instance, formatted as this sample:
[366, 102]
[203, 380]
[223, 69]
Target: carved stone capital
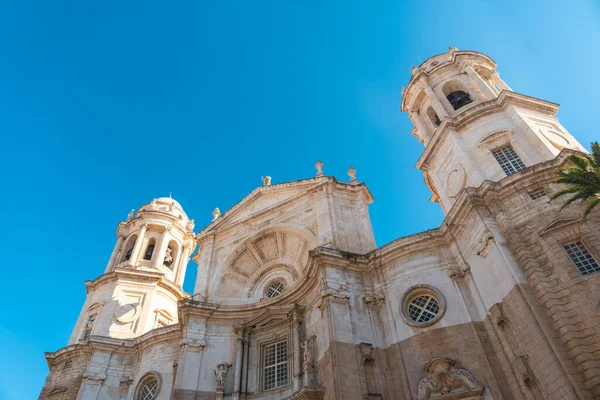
[374, 299]
[462, 273]
[192, 344]
[126, 381]
[93, 378]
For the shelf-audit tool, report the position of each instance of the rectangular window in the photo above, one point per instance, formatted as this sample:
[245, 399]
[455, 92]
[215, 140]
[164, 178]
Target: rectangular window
[581, 257]
[537, 194]
[275, 365]
[508, 160]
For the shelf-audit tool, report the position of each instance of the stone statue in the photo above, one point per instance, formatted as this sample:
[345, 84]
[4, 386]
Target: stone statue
[266, 180]
[153, 204]
[168, 257]
[306, 352]
[216, 213]
[220, 374]
[130, 215]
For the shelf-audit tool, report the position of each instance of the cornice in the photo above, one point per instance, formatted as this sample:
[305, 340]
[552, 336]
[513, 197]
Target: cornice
[475, 112]
[140, 276]
[114, 345]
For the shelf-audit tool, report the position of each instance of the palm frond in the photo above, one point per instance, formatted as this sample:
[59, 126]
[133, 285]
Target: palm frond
[589, 209]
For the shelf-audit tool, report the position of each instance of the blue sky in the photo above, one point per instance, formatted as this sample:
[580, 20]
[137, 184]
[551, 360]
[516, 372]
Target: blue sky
[106, 105]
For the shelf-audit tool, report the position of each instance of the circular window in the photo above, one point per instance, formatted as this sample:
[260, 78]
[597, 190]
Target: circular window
[422, 305]
[275, 289]
[148, 388]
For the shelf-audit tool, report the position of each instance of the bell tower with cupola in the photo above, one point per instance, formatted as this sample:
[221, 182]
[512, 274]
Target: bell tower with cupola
[474, 127]
[143, 280]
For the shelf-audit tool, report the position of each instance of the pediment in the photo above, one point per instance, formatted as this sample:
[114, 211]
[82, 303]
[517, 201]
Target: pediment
[265, 199]
[558, 224]
[269, 317]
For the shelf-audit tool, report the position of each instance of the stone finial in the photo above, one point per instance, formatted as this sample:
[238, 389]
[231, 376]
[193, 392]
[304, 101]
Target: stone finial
[190, 225]
[216, 213]
[352, 175]
[130, 215]
[452, 49]
[266, 180]
[319, 166]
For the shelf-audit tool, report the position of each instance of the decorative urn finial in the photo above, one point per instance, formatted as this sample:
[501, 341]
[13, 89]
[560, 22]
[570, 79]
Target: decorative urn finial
[352, 175]
[319, 166]
[266, 180]
[216, 213]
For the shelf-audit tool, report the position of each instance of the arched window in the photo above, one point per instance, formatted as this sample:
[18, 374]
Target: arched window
[459, 99]
[456, 93]
[275, 289]
[433, 117]
[171, 254]
[129, 248]
[148, 387]
[150, 249]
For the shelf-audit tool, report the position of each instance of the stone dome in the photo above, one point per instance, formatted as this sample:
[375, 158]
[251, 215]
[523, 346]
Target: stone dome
[164, 204]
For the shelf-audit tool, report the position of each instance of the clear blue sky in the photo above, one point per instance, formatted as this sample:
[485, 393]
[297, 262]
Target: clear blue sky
[105, 105]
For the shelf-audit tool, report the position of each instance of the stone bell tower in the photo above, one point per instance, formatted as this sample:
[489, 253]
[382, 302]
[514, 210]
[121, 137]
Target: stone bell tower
[474, 127]
[143, 279]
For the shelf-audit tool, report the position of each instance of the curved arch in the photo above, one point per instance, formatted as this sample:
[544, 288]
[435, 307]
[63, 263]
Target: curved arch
[284, 245]
[144, 380]
[266, 273]
[128, 249]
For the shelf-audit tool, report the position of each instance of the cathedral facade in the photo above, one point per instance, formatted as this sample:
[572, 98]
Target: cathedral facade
[294, 300]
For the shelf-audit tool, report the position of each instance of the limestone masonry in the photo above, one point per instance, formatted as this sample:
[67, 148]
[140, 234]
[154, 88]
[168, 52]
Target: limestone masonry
[294, 300]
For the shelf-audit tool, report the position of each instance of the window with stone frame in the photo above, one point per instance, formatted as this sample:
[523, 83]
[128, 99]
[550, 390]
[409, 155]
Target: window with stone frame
[581, 257]
[537, 194]
[275, 365]
[148, 388]
[275, 289]
[508, 159]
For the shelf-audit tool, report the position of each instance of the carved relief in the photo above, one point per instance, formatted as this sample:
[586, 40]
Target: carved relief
[127, 312]
[456, 180]
[485, 245]
[445, 382]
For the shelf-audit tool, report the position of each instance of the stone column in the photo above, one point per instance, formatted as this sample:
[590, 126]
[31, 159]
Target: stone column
[90, 388]
[297, 352]
[435, 103]
[159, 251]
[238, 367]
[138, 245]
[113, 256]
[246, 366]
[182, 264]
[487, 92]
[499, 82]
[424, 132]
